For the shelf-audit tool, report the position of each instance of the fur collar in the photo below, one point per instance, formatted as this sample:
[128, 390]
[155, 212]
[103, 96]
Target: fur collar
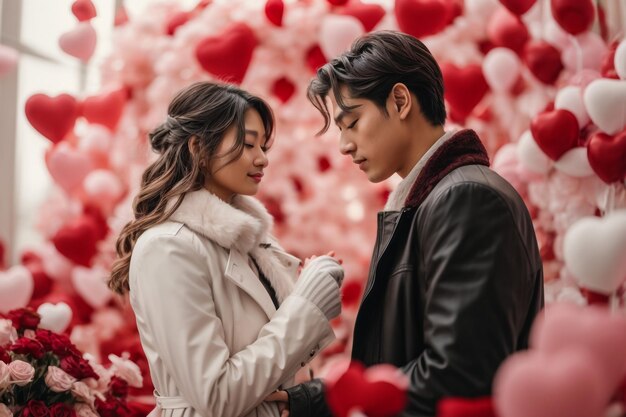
[243, 225]
[464, 148]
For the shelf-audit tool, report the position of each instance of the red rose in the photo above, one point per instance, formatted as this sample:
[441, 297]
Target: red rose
[26, 346]
[24, 318]
[78, 367]
[62, 410]
[112, 407]
[35, 408]
[118, 387]
[59, 344]
[4, 355]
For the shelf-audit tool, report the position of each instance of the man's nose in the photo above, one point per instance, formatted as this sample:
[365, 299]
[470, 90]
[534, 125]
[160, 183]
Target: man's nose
[346, 147]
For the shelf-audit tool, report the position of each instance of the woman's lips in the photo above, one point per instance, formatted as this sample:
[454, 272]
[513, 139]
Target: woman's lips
[256, 177]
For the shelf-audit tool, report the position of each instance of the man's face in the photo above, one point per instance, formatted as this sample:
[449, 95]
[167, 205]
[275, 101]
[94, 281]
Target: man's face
[376, 142]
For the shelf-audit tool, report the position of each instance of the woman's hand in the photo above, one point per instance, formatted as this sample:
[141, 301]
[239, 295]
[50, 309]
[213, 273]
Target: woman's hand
[281, 398]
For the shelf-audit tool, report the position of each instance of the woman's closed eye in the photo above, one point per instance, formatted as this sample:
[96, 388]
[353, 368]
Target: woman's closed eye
[351, 125]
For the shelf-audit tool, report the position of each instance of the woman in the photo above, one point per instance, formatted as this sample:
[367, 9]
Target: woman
[220, 319]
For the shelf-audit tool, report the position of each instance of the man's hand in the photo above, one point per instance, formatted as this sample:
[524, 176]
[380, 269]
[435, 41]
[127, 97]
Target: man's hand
[282, 400]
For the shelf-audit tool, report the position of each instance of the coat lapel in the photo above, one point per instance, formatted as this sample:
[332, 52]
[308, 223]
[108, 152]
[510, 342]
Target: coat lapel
[239, 272]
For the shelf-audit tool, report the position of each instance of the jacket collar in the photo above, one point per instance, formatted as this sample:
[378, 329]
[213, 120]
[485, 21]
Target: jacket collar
[242, 224]
[464, 148]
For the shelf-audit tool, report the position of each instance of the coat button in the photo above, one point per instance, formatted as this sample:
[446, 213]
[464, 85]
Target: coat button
[303, 364]
[313, 352]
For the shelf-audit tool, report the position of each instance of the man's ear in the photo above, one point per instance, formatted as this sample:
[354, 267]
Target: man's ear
[401, 100]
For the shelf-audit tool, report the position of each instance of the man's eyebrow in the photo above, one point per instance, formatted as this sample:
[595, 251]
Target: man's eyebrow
[344, 112]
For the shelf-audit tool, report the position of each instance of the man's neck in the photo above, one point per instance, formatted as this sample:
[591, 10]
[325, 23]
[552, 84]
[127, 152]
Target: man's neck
[426, 138]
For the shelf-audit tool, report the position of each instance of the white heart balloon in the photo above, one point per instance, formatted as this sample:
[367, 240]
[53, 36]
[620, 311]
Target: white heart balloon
[55, 317]
[79, 42]
[501, 69]
[337, 34]
[570, 98]
[16, 288]
[575, 163]
[531, 156]
[594, 250]
[605, 100]
[620, 60]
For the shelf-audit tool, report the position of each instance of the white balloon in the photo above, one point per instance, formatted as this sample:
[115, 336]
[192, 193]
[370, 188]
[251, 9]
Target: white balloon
[55, 317]
[531, 156]
[620, 60]
[337, 34]
[501, 68]
[594, 251]
[605, 100]
[571, 98]
[575, 163]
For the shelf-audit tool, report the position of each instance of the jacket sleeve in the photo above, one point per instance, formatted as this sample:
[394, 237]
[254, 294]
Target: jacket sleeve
[308, 400]
[478, 286]
[171, 293]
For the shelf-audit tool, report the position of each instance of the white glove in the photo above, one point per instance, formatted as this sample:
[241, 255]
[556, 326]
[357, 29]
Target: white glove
[319, 283]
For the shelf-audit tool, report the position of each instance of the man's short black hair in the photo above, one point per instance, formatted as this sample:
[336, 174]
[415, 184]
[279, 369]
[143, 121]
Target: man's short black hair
[372, 66]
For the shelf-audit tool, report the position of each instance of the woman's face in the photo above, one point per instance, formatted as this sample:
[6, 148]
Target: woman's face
[243, 175]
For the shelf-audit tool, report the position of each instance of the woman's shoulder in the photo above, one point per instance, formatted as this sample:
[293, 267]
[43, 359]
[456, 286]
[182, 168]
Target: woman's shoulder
[161, 238]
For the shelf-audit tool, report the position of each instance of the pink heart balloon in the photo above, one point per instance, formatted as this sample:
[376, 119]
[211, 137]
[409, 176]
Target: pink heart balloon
[594, 250]
[79, 42]
[16, 288]
[540, 385]
[8, 59]
[585, 51]
[91, 285]
[595, 329]
[337, 34]
[68, 166]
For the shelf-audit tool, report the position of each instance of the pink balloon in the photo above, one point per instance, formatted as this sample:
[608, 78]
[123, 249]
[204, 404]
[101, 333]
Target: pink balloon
[501, 69]
[79, 42]
[595, 329]
[337, 34]
[541, 385]
[103, 188]
[585, 51]
[16, 288]
[91, 285]
[8, 59]
[68, 166]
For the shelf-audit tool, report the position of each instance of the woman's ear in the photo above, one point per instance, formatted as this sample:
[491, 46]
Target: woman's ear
[401, 100]
[194, 146]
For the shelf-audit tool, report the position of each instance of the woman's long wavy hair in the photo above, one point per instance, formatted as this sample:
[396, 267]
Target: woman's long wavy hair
[203, 110]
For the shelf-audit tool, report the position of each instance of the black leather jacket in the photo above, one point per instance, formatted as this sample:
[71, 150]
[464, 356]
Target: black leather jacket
[455, 283]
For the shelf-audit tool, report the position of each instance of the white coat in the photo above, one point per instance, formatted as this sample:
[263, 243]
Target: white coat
[214, 341]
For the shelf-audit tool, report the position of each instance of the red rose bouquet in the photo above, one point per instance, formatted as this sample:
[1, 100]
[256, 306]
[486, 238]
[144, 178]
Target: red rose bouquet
[43, 374]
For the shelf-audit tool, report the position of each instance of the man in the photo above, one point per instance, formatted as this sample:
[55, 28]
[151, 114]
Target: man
[455, 279]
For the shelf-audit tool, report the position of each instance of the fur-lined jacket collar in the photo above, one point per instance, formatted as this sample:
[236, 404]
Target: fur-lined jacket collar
[243, 227]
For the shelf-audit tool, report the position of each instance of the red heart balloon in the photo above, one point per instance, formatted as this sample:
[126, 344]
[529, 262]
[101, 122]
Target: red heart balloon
[574, 16]
[379, 391]
[105, 109]
[368, 14]
[518, 7]
[608, 63]
[337, 2]
[83, 10]
[464, 87]
[227, 56]
[77, 241]
[607, 156]
[421, 18]
[274, 10]
[283, 88]
[507, 30]
[556, 132]
[465, 407]
[543, 60]
[2, 255]
[315, 58]
[177, 20]
[53, 117]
